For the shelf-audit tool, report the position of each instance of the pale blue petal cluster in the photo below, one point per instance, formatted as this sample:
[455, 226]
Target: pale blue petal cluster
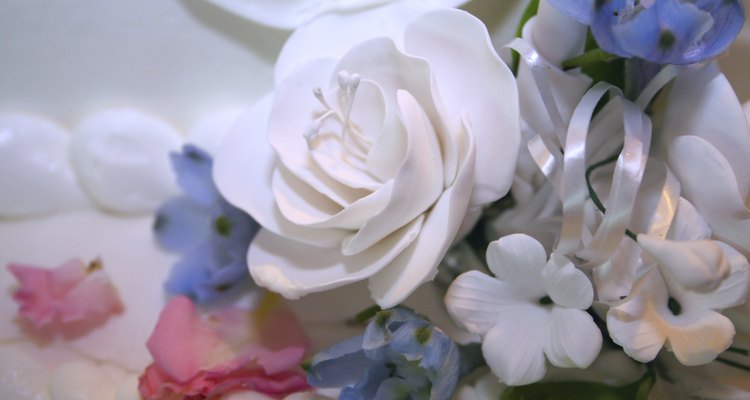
[212, 234]
[399, 356]
[661, 31]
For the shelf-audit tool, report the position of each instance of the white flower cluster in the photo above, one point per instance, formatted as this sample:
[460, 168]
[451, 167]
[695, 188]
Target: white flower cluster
[392, 127]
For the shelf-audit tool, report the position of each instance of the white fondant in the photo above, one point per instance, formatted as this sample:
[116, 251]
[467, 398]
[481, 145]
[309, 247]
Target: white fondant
[174, 58]
[22, 377]
[35, 173]
[81, 380]
[128, 389]
[121, 158]
[290, 14]
[131, 257]
[209, 130]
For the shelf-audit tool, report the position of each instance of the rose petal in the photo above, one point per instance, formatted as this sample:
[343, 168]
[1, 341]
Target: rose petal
[179, 328]
[291, 116]
[302, 205]
[285, 266]
[417, 185]
[573, 340]
[225, 351]
[69, 292]
[418, 263]
[381, 61]
[245, 148]
[331, 35]
[494, 120]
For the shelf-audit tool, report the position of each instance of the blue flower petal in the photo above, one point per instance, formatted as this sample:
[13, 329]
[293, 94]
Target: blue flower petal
[193, 167]
[728, 16]
[396, 389]
[368, 386]
[232, 229]
[189, 272]
[180, 224]
[663, 33]
[379, 331]
[407, 357]
[666, 31]
[339, 365]
[580, 10]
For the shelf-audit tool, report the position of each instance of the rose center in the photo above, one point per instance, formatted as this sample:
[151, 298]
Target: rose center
[350, 136]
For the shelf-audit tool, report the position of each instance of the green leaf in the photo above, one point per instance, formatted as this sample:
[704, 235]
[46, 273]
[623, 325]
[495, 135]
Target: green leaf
[528, 13]
[599, 65]
[637, 390]
[363, 316]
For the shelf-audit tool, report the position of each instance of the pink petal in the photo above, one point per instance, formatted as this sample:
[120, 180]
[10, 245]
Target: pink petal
[72, 292]
[227, 350]
[179, 328]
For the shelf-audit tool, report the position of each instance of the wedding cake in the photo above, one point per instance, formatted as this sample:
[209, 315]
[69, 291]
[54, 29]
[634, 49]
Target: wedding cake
[97, 103]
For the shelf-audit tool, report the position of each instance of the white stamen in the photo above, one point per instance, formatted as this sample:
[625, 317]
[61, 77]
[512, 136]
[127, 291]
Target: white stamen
[343, 78]
[312, 132]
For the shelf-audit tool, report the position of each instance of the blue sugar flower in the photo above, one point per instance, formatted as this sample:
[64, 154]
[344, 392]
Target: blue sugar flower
[399, 356]
[661, 31]
[212, 234]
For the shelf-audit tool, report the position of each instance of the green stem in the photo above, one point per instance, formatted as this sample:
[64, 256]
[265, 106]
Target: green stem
[528, 13]
[733, 364]
[738, 350]
[595, 197]
[593, 56]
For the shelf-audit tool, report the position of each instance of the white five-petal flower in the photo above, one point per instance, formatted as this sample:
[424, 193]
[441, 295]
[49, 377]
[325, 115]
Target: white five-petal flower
[532, 308]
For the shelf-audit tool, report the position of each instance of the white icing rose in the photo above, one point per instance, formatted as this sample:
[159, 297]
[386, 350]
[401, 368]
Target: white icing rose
[363, 167]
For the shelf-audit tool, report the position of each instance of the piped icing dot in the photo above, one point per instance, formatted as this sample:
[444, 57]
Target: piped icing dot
[120, 158]
[35, 174]
[73, 292]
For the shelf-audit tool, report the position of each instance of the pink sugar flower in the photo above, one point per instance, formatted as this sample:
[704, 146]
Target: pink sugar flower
[229, 350]
[72, 292]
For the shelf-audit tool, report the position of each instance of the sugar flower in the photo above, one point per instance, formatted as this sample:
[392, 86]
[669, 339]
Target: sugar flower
[663, 31]
[400, 355]
[226, 351]
[674, 302]
[212, 234]
[532, 307]
[363, 166]
[72, 292]
[706, 139]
